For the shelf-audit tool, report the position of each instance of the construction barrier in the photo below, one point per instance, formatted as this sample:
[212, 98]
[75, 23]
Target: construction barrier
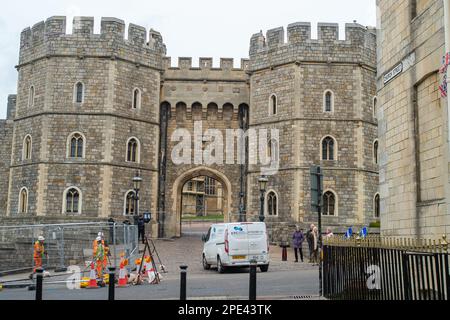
[65, 244]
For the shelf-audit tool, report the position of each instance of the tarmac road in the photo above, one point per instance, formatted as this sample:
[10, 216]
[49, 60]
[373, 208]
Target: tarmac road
[211, 285]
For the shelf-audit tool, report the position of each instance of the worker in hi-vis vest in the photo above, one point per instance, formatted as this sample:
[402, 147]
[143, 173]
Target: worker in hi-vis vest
[105, 247]
[99, 256]
[39, 252]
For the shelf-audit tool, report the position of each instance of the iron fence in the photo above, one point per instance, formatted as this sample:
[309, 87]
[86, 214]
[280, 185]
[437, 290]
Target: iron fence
[66, 244]
[378, 268]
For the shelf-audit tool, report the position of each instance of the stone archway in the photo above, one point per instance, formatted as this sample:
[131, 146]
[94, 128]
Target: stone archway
[191, 174]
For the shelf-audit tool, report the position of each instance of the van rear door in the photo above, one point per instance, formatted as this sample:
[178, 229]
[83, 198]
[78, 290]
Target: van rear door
[238, 241]
[257, 240]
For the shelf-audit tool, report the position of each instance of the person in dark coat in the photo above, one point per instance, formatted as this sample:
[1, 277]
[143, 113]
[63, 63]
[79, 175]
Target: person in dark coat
[298, 238]
[310, 239]
[141, 228]
[111, 230]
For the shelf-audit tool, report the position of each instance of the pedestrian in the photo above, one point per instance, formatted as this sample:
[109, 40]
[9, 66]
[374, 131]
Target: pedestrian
[141, 228]
[329, 233]
[315, 257]
[310, 239]
[298, 239]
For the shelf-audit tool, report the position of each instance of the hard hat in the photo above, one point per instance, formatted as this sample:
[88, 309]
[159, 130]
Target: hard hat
[100, 234]
[41, 238]
[99, 238]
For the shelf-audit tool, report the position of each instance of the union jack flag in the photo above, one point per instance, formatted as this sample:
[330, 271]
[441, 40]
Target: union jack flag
[445, 62]
[443, 87]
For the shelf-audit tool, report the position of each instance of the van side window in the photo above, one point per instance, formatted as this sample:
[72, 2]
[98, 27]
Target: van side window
[208, 235]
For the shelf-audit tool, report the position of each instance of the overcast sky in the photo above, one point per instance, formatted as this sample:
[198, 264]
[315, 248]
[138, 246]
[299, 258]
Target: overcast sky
[192, 28]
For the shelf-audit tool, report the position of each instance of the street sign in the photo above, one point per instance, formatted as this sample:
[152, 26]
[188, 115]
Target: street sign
[316, 187]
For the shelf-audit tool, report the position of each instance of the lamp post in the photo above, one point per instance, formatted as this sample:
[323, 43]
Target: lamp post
[136, 186]
[262, 188]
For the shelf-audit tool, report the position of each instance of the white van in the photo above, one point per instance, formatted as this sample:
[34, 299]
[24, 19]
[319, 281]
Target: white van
[235, 245]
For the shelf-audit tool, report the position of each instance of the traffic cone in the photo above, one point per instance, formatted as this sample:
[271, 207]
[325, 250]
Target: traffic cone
[150, 270]
[92, 278]
[147, 266]
[151, 276]
[123, 279]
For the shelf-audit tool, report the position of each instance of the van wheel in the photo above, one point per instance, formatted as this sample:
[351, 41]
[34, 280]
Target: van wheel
[220, 267]
[264, 268]
[206, 266]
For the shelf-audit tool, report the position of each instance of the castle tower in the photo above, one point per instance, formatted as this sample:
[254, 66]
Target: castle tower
[87, 118]
[319, 95]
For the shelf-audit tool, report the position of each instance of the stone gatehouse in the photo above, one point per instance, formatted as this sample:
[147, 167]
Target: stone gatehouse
[92, 109]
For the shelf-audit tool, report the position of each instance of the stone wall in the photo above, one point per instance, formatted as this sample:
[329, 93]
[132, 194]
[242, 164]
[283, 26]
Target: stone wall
[414, 179]
[6, 135]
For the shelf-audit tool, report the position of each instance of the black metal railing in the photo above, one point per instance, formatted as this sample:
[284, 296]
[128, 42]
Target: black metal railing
[386, 269]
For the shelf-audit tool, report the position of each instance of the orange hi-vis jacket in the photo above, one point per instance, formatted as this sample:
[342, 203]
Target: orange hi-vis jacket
[95, 244]
[99, 253]
[38, 250]
[105, 251]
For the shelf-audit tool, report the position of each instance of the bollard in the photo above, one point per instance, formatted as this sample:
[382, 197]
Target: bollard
[183, 282]
[284, 253]
[112, 276]
[39, 278]
[252, 286]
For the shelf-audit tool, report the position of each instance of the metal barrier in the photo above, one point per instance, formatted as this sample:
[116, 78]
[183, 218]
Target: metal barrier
[66, 244]
[386, 269]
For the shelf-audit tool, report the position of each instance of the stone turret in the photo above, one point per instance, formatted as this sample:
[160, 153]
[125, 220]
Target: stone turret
[49, 38]
[119, 76]
[359, 45]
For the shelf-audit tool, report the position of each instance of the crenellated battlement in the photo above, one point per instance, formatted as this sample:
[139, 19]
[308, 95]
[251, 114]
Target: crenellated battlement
[359, 43]
[185, 63]
[49, 37]
[205, 70]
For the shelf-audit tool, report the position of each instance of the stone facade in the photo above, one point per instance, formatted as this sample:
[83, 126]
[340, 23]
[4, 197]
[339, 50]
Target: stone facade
[110, 68]
[6, 133]
[299, 72]
[413, 125]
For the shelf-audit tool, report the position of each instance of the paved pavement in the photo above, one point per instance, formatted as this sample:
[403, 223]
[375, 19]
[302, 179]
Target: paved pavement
[285, 280]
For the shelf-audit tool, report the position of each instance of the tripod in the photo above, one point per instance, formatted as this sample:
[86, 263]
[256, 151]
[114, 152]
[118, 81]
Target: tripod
[150, 253]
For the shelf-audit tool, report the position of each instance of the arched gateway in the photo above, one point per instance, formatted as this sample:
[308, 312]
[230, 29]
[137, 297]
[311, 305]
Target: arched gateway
[176, 196]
